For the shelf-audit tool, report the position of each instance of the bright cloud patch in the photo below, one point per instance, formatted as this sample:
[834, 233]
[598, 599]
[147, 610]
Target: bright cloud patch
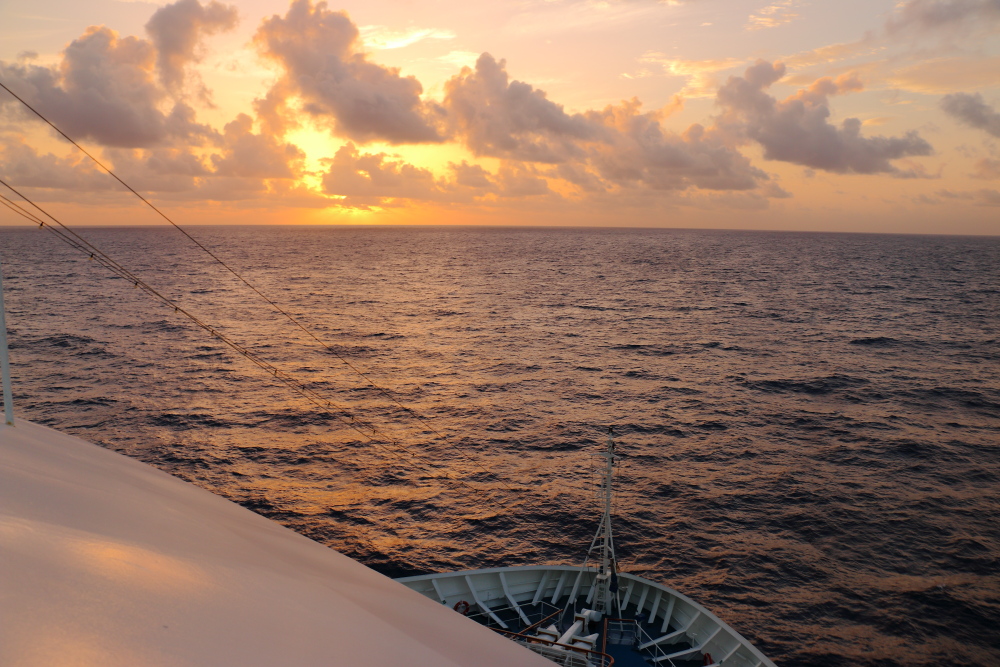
[773, 15]
[381, 38]
[700, 75]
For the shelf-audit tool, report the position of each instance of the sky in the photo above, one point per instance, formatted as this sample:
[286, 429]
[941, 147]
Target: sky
[855, 115]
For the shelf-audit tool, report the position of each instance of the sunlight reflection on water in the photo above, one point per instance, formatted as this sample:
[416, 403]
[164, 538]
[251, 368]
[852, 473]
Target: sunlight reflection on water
[809, 421]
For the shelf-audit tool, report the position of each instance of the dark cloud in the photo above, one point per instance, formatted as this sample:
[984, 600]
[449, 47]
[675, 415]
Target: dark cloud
[931, 15]
[797, 130]
[105, 89]
[176, 31]
[320, 53]
[972, 110]
[498, 117]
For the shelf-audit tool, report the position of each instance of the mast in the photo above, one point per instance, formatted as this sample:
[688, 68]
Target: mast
[606, 584]
[8, 399]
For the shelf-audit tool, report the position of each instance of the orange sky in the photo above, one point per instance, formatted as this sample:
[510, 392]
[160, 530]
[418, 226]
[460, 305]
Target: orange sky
[867, 115]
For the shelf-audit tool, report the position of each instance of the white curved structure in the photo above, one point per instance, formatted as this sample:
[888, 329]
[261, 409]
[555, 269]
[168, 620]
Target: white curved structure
[678, 618]
[106, 561]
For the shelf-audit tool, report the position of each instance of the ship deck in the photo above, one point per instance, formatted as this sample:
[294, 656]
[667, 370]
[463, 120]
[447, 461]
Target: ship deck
[652, 624]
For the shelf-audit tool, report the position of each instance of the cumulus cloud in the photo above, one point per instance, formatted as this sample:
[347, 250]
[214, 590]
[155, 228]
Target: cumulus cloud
[373, 177]
[176, 31]
[320, 53]
[498, 117]
[244, 165]
[252, 155]
[797, 130]
[973, 111]
[22, 166]
[519, 180]
[105, 89]
[471, 176]
[640, 152]
[618, 147]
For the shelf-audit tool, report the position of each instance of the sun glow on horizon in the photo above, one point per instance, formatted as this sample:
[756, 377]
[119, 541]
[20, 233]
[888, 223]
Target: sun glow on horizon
[536, 114]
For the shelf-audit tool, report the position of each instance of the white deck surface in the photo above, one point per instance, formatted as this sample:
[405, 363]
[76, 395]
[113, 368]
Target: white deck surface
[107, 561]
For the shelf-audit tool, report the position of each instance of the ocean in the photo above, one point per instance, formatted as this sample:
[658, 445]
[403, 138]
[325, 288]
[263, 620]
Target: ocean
[809, 423]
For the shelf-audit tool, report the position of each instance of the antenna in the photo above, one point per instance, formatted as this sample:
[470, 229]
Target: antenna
[8, 398]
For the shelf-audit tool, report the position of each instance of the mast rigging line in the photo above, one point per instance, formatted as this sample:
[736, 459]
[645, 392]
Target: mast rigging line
[344, 416]
[385, 392]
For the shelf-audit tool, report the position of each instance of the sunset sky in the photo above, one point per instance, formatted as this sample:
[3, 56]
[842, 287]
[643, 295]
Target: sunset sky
[855, 115]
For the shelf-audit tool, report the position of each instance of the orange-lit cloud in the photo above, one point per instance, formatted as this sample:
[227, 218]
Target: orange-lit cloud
[320, 121]
[700, 76]
[939, 76]
[776, 14]
[320, 54]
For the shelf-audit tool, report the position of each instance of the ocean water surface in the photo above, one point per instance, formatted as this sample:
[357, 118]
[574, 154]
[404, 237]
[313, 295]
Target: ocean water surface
[809, 423]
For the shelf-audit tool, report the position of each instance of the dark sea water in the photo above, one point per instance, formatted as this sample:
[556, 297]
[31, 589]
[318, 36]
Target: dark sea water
[810, 423]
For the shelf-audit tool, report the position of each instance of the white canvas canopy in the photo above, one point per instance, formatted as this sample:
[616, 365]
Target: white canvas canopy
[107, 561]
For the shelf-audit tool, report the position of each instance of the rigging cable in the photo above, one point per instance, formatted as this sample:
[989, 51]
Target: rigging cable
[346, 417]
[385, 392]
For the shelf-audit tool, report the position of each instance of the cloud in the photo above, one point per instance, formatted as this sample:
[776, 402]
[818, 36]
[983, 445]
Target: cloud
[369, 178]
[640, 153]
[921, 16]
[252, 155]
[824, 55]
[382, 38]
[936, 76]
[617, 149]
[986, 169]
[105, 89]
[22, 166]
[517, 180]
[471, 176]
[320, 53]
[797, 130]
[776, 14]
[973, 111]
[700, 75]
[176, 31]
[501, 118]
